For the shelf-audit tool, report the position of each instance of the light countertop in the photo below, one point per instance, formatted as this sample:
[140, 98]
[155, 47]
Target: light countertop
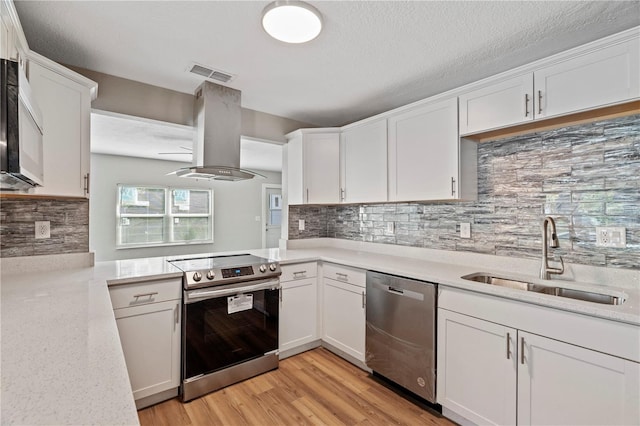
[62, 362]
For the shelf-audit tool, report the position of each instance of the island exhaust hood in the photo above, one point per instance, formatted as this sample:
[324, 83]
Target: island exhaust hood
[216, 149]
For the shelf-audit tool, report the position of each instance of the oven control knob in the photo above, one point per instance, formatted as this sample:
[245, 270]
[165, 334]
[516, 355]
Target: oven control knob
[197, 276]
[272, 267]
[211, 275]
[263, 268]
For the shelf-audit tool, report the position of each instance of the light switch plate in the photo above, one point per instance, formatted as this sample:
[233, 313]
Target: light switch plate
[465, 230]
[611, 236]
[301, 225]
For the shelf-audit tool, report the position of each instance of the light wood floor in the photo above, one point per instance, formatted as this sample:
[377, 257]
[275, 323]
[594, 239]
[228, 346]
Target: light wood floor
[313, 388]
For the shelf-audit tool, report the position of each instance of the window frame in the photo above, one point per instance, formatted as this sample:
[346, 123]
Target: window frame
[168, 218]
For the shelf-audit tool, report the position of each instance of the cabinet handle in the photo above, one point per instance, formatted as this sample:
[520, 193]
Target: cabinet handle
[343, 194]
[453, 187]
[299, 274]
[539, 101]
[508, 346]
[364, 300]
[307, 195]
[137, 296]
[175, 316]
[342, 277]
[86, 184]
[522, 350]
[526, 104]
[280, 294]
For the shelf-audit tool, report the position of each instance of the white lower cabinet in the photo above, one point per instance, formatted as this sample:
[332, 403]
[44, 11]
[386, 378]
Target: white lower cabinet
[490, 373]
[298, 306]
[149, 323]
[344, 314]
[476, 377]
[565, 384]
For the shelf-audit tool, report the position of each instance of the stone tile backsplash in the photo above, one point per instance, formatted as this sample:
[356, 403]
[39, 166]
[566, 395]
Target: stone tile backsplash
[583, 176]
[69, 221]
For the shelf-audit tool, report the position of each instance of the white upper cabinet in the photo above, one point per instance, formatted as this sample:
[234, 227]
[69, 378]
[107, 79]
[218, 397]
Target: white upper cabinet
[313, 166]
[64, 98]
[502, 104]
[426, 161]
[13, 44]
[363, 163]
[603, 77]
[574, 81]
[5, 35]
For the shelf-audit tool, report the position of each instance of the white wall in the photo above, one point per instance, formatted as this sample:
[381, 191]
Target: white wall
[236, 205]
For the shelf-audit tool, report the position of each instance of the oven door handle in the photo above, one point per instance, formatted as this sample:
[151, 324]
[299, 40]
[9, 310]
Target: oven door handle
[197, 295]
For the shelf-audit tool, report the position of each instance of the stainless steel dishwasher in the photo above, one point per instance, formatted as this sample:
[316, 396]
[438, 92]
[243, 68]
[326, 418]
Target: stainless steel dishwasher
[401, 332]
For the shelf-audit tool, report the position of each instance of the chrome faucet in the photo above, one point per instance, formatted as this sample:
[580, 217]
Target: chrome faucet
[545, 269]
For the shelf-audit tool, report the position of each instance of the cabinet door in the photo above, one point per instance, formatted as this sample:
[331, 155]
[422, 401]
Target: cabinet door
[563, 384]
[604, 77]
[423, 153]
[498, 105]
[298, 313]
[150, 337]
[344, 317]
[364, 163]
[322, 168]
[65, 107]
[295, 171]
[476, 368]
[4, 35]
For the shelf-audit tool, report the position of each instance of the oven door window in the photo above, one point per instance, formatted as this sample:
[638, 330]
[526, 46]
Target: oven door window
[225, 331]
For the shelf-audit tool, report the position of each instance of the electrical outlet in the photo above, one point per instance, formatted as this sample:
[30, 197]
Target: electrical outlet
[301, 225]
[609, 236]
[465, 230]
[391, 227]
[43, 229]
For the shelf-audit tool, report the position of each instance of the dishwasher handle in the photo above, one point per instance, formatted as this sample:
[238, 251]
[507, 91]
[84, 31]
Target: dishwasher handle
[398, 291]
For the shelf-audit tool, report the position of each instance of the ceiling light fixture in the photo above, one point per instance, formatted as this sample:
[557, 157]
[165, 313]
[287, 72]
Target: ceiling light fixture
[292, 21]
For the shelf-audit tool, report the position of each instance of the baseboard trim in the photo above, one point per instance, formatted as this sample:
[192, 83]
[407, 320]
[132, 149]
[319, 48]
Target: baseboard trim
[299, 349]
[156, 398]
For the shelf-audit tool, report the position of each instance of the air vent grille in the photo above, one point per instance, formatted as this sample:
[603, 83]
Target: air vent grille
[210, 73]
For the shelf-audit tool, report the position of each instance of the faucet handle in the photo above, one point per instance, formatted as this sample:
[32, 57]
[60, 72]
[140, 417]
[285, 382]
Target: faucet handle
[558, 271]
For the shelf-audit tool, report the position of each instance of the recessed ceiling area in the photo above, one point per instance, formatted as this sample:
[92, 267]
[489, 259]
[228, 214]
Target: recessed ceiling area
[118, 134]
[371, 56]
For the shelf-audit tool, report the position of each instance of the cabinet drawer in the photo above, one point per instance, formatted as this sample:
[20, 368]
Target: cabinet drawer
[127, 295]
[299, 271]
[299, 283]
[345, 274]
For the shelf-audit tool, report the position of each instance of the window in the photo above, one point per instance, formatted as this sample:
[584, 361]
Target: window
[152, 216]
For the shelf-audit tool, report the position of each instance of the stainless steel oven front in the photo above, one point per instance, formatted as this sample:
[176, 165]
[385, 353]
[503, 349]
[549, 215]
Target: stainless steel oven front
[230, 333]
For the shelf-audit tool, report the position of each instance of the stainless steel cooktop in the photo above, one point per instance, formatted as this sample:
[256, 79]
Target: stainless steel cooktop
[220, 270]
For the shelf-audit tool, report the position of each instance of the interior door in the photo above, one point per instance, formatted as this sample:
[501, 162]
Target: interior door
[272, 216]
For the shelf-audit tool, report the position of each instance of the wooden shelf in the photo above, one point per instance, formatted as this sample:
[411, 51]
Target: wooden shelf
[606, 113]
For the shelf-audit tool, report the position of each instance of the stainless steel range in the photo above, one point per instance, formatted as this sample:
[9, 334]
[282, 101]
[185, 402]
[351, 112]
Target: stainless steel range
[230, 320]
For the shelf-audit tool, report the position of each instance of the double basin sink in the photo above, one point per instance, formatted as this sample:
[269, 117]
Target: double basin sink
[589, 296]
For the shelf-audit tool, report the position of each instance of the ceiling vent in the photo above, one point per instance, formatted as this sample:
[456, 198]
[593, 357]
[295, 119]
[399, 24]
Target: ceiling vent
[210, 73]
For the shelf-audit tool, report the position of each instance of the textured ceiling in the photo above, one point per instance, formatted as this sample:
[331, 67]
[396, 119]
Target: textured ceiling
[371, 56]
